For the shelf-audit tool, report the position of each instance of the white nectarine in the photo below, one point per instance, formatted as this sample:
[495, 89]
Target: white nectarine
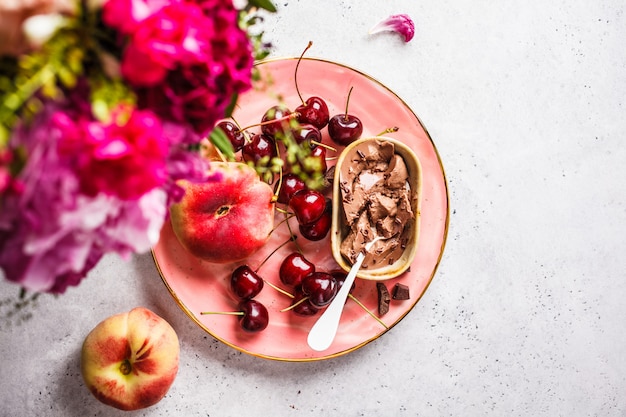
[224, 220]
[130, 360]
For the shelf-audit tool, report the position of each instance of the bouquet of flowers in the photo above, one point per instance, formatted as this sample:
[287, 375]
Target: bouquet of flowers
[103, 105]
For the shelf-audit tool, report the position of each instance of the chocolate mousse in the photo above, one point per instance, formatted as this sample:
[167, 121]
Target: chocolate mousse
[376, 198]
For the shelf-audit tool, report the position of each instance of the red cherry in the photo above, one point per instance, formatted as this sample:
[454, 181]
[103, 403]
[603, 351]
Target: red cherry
[245, 283]
[255, 316]
[258, 147]
[278, 113]
[345, 128]
[319, 228]
[320, 287]
[315, 161]
[307, 133]
[319, 152]
[291, 184]
[302, 306]
[308, 205]
[340, 275]
[314, 111]
[234, 135]
[294, 268]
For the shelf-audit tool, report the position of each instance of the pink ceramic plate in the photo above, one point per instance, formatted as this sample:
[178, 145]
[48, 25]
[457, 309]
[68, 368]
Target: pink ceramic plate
[199, 286]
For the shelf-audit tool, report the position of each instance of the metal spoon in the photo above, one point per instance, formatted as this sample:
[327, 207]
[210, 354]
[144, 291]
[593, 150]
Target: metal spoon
[324, 330]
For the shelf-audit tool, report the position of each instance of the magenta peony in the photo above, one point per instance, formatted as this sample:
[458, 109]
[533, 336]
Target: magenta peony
[186, 59]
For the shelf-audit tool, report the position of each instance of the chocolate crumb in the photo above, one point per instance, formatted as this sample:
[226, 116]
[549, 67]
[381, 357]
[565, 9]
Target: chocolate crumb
[360, 153]
[329, 176]
[400, 292]
[383, 298]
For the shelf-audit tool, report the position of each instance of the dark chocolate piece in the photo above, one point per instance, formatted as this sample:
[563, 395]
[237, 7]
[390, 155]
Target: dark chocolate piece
[400, 292]
[383, 298]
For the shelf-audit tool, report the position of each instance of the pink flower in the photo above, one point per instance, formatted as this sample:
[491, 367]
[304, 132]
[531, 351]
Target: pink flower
[400, 23]
[186, 59]
[124, 159]
[52, 234]
[173, 35]
[6, 156]
[125, 15]
[215, 64]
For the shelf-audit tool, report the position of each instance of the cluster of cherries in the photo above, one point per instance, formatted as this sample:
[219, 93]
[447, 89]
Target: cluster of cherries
[312, 290]
[245, 284]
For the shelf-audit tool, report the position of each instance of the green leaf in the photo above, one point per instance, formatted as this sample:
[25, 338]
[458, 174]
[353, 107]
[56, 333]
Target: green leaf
[231, 105]
[5, 134]
[220, 140]
[263, 4]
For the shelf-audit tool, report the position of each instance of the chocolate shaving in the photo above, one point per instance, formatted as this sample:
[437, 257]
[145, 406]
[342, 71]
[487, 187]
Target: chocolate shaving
[400, 292]
[383, 298]
[329, 176]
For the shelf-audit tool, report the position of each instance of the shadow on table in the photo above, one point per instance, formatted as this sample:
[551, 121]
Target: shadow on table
[71, 396]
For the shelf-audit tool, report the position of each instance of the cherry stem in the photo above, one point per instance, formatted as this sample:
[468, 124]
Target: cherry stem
[287, 217]
[389, 130]
[267, 122]
[221, 155]
[246, 136]
[323, 145]
[292, 238]
[291, 307]
[280, 210]
[360, 304]
[295, 74]
[280, 290]
[230, 313]
[345, 117]
[279, 186]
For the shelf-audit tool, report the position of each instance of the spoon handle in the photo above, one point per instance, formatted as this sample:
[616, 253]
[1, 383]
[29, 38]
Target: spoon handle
[324, 330]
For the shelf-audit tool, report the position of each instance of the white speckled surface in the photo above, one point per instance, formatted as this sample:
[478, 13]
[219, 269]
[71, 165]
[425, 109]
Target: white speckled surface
[525, 317]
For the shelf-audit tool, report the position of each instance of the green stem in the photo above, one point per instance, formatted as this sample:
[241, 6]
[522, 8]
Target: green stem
[17, 99]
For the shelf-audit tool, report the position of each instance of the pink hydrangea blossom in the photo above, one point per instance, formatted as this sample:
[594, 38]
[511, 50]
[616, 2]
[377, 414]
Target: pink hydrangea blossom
[125, 159]
[52, 233]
